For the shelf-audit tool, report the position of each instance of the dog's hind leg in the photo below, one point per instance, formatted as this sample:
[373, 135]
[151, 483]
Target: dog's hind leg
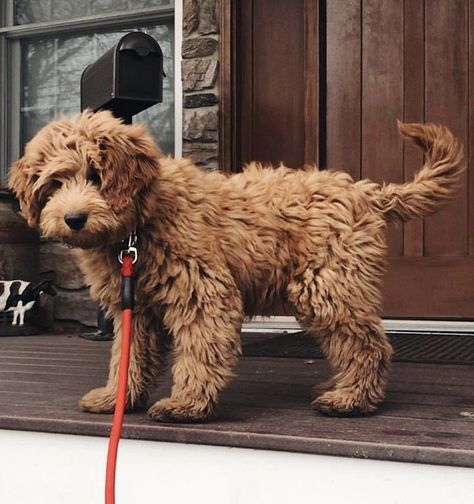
[205, 319]
[351, 337]
[149, 347]
[360, 354]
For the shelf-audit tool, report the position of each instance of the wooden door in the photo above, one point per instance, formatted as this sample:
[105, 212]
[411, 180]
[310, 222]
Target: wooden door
[325, 81]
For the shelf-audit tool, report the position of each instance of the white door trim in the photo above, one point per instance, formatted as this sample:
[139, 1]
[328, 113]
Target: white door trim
[178, 85]
[289, 324]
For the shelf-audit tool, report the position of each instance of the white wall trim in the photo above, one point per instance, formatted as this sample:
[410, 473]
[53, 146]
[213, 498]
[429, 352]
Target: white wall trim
[178, 84]
[429, 326]
[289, 324]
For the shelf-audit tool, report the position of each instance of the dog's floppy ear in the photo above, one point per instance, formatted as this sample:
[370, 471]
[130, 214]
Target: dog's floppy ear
[21, 182]
[128, 163]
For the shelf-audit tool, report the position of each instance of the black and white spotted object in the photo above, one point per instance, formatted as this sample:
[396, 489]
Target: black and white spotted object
[19, 296]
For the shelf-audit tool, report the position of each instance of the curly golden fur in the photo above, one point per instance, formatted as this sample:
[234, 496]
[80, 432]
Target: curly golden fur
[214, 248]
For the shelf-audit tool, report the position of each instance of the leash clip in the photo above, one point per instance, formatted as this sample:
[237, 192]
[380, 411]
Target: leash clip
[129, 248]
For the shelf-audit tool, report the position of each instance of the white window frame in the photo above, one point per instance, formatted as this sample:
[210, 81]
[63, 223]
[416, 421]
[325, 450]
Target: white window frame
[12, 35]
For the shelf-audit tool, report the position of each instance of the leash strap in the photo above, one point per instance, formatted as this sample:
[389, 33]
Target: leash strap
[127, 257]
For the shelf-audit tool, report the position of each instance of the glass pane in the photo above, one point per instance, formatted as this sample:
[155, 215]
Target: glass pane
[40, 11]
[51, 73]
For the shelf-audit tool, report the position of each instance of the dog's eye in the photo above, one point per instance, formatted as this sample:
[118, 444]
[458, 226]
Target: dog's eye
[47, 191]
[94, 179]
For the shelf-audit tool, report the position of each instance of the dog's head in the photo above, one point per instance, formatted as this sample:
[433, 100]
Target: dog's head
[82, 179]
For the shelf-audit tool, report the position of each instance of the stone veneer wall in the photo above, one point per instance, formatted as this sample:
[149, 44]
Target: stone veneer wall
[72, 306]
[199, 73]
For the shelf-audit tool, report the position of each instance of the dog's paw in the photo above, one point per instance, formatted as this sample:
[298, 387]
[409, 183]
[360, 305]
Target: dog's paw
[98, 400]
[323, 387]
[342, 403]
[175, 410]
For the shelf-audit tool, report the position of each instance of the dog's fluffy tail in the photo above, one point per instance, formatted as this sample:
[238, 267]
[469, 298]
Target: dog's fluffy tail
[434, 184]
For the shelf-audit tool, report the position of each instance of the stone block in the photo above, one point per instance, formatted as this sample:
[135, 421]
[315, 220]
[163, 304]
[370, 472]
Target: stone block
[199, 47]
[200, 100]
[203, 154]
[208, 17]
[190, 16]
[200, 124]
[76, 306]
[59, 259]
[199, 74]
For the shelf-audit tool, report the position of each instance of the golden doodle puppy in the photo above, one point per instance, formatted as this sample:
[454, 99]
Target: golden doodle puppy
[215, 248]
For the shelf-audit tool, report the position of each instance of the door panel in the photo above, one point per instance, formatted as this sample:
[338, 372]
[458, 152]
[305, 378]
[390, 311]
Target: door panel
[278, 72]
[343, 91]
[382, 97]
[413, 106]
[414, 66]
[446, 90]
[276, 82]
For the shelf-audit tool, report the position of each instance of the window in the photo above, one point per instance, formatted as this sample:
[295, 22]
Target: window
[46, 44]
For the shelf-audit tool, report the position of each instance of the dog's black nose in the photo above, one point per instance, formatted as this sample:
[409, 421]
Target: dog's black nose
[76, 221]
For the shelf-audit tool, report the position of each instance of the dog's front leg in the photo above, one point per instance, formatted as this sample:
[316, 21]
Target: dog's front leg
[205, 323]
[149, 346]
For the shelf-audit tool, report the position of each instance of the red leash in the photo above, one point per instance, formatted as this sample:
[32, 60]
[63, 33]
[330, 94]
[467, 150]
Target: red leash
[127, 257]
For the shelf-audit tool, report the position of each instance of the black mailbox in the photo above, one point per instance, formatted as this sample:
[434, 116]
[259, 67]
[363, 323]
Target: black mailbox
[127, 79]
